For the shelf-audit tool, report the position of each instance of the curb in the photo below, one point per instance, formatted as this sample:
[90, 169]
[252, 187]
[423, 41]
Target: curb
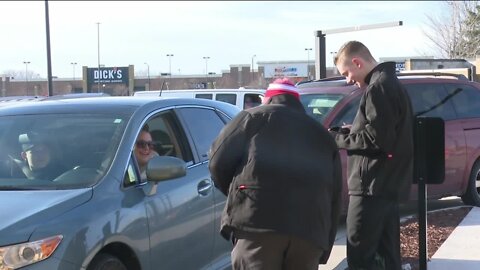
[404, 219]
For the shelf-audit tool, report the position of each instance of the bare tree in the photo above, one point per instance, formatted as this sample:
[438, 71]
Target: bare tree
[470, 44]
[15, 74]
[20, 74]
[453, 35]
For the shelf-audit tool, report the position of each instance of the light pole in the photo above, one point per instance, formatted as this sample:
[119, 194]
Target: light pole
[253, 57]
[170, 64]
[73, 64]
[98, 54]
[308, 61]
[148, 74]
[26, 76]
[49, 58]
[206, 67]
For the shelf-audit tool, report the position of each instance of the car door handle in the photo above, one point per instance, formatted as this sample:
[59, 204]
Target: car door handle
[204, 187]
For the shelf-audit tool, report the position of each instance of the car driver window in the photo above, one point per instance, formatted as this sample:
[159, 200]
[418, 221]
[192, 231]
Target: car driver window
[167, 136]
[159, 136]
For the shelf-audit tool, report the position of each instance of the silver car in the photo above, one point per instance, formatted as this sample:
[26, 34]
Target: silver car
[91, 209]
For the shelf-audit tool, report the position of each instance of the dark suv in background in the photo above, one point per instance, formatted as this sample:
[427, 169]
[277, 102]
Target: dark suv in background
[452, 97]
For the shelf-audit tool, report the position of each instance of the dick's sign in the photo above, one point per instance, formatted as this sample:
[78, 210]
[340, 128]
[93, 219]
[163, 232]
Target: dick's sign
[107, 75]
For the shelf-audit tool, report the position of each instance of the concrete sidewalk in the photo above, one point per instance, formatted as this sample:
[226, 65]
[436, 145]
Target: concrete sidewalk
[460, 251]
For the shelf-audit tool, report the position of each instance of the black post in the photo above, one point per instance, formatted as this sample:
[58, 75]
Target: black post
[422, 224]
[320, 61]
[49, 60]
[420, 168]
[429, 168]
[323, 60]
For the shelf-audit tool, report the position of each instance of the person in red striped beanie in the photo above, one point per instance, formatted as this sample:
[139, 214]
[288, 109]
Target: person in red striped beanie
[281, 172]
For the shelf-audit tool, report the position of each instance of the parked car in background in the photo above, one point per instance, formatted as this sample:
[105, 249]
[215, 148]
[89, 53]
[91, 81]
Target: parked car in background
[452, 97]
[98, 213]
[242, 98]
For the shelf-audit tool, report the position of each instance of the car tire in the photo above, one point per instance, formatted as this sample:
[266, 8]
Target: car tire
[105, 261]
[472, 195]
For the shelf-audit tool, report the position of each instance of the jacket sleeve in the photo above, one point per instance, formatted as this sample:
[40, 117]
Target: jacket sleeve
[378, 133]
[336, 205]
[226, 152]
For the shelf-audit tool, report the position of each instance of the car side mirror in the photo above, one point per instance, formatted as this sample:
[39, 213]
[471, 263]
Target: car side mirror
[162, 168]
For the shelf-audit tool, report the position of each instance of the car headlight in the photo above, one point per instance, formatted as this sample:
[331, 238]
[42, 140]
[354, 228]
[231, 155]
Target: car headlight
[16, 256]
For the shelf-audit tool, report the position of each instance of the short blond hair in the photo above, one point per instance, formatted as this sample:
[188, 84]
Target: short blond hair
[353, 49]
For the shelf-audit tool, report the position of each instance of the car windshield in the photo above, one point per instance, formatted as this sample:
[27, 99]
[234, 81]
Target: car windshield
[319, 106]
[57, 151]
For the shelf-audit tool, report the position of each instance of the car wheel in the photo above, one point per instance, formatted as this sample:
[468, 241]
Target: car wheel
[472, 196]
[105, 261]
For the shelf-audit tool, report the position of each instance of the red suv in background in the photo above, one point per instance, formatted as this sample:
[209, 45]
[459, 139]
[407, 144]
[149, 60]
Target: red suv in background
[452, 97]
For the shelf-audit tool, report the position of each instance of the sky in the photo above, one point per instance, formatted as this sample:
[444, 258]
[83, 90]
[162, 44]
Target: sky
[142, 33]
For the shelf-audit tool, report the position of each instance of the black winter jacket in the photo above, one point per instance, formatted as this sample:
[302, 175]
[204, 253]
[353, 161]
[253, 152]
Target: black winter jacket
[380, 143]
[281, 172]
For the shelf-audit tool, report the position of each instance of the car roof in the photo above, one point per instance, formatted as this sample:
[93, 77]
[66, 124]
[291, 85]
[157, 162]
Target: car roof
[18, 98]
[339, 85]
[108, 104]
[12, 100]
[333, 85]
[160, 93]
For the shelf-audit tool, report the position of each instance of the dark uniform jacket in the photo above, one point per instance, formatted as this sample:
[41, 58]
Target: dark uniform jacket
[281, 171]
[380, 142]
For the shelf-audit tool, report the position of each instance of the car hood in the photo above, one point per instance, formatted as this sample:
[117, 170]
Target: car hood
[23, 211]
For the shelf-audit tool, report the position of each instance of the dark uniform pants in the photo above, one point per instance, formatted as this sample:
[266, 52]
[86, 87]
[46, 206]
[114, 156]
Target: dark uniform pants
[272, 251]
[373, 234]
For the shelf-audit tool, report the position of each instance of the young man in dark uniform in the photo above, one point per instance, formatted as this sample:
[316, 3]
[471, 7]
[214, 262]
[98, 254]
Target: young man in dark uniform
[380, 159]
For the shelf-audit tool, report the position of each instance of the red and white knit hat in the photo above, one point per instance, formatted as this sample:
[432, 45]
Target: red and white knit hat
[279, 87]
